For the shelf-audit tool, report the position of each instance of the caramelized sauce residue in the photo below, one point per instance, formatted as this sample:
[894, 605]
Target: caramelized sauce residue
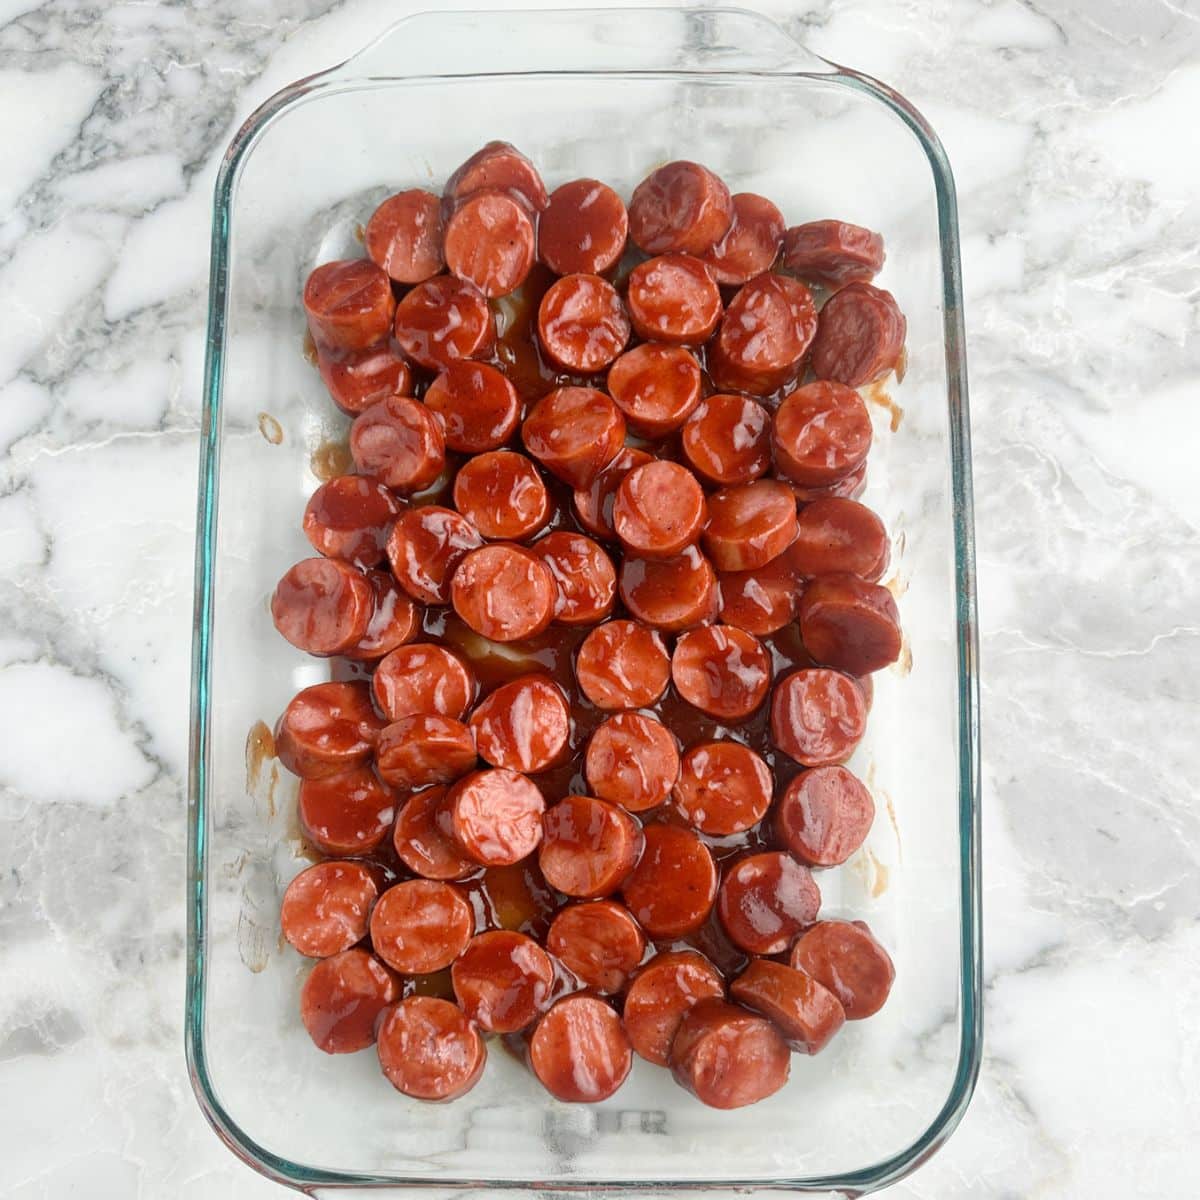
[270, 428]
[331, 459]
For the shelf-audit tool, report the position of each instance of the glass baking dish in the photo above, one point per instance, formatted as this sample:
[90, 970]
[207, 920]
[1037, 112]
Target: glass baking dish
[609, 94]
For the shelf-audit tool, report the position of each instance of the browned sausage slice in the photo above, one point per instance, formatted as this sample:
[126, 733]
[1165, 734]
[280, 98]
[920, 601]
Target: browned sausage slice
[633, 761]
[584, 575]
[497, 816]
[835, 536]
[669, 593]
[477, 405]
[579, 1050]
[751, 244]
[574, 432]
[761, 601]
[326, 729]
[424, 841]
[721, 670]
[323, 606]
[806, 1013]
[442, 320]
[524, 725]
[832, 253]
[502, 495]
[659, 509]
[342, 999]
[346, 814]
[673, 298]
[681, 207]
[622, 664]
[848, 487]
[845, 957]
[583, 230]
[404, 236]
[581, 324]
[498, 165]
[860, 335]
[821, 432]
[327, 906]
[588, 847]
[594, 504]
[723, 788]
[673, 887]
[423, 678]
[656, 386]
[423, 750]
[599, 942]
[421, 925]
[728, 1057]
[349, 517]
[429, 1049]
[490, 242]
[824, 815]
[727, 440]
[503, 980]
[394, 621]
[425, 547]
[850, 624]
[749, 525]
[349, 304]
[818, 716]
[399, 443]
[356, 379]
[504, 592]
[765, 900]
[661, 994]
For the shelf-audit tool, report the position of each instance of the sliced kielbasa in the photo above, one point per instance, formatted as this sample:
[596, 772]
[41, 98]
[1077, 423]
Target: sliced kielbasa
[723, 788]
[845, 957]
[632, 760]
[398, 442]
[594, 503]
[583, 229]
[404, 236]
[421, 925]
[524, 725]
[860, 335]
[579, 1050]
[673, 298]
[429, 1049]
[622, 664]
[751, 244]
[423, 750]
[682, 207]
[323, 606]
[582, 324]
[765, 900]
[356, 379]
[503, 980]
[721, 670]
[600, 942]
[423, 678]
[660, 995]
[839, 536]
[395, 620]
[490, 242]
[424, 840]
[818, 716]
[750, 524]
[761, 601]
[805, 1013]
[728, 1057]
[346, 814]
[848, 487]
[326, 907]
[349, 304]
[502, 495]
[656, 386]
[669, 593]
[832, 253]
[476, 404]
[659, 509]
[584, 575]
[504, 592]
[326, 729]
[349, 517]
[821, 432]
[824, 815]
[574, 432]
[442, 320]
[342, 998]
[727, 440]
[850, 624]
[496, 816]
[425, 547]
[674, 886]
[498, 165]
[588, 846]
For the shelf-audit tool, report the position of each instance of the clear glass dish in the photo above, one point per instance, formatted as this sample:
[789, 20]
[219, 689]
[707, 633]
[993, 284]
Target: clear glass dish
[608, 94]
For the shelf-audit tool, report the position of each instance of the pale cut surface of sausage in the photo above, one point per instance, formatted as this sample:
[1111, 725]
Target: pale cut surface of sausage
[749, 525]
[594, 503]
[356, 379]
[404, 236]
[394, 621]
[424, 548]
[727, 440]
[721, 670]
[824, 816]
[669, 593]
[503, 980]
[346, 814]
[821, 432]
[582, 324]
[728, 1057]
[660, 995]
[497, 816]
[674, 886]
[579, 1050]
[326, 729]
[524, 725]
[399, 443]
[673, 298]
[751, 244]
[342, 998]
[423, 750]
[632, 760]
[763, 338]
[323, 606]
[835, 536]
[682, 207]
[583, 229]
[490, 242]
[502, 495]
[761, 601]
[349, 517]
[765, 900]
[804, 1012]
[476, 404]
[583, 574]
[656, 386]
[349, 304]
[442, 320]
[424, 840]
[600, 942]
[421, 925]
[660, 510]
[832, 253]
[326, 907]
[504, 592]
[850, 624]
[860, 335]
[498, 165]
[574, 432]
[429, 1050]
[849, 487]
[622, 664]
[723, 788]
[423, 678]
[818, 716]
[846, 958]
[588, 847]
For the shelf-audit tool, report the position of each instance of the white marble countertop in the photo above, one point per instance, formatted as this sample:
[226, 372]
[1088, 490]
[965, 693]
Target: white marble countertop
[1071, 128]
